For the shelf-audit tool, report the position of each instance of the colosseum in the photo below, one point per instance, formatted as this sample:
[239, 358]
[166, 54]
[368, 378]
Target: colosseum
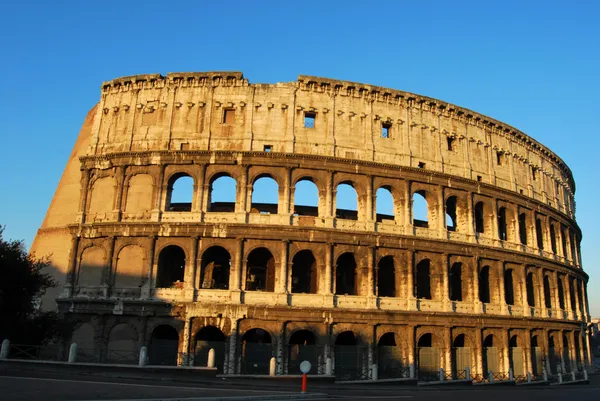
[489, 277]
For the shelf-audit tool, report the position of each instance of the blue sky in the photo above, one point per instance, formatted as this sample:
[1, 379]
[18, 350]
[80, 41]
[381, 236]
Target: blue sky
[531, 64]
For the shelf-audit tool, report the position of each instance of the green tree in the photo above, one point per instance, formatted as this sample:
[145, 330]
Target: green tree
[23, 281]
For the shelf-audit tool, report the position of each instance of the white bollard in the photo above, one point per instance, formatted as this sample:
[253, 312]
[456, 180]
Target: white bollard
[4, 349]
[585, 374]
[490, 376]
[328, 367]
[412, 370]
[545, 374]
[143, 356]
[374, 373]
[468, 373]
[528, 377]
[441, 374]
[573, 375]
[272, 366]
[511, 375]
[211, 358]
[73, 353]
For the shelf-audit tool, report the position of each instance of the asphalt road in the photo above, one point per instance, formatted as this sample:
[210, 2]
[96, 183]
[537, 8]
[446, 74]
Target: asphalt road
[49, 387]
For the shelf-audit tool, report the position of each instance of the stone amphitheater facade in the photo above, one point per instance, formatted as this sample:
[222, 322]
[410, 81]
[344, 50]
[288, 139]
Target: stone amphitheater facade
[491, 279]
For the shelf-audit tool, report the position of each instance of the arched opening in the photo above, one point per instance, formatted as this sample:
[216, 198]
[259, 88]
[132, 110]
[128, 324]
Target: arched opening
[516, 358]
[164, 344]
[539, 233]
[84, 336]
[572, 293]
[547, 292]
[345, 275]
[523, 228]
[222, 195]
[180, 192]
[461, 356]
[577, 362]
[580, 296]
[349, 358]
[553, 238]
[122, 347]
[304, 273]
[456, 282]
[389, 357]
[384, 204]
[429, 358]
[171, 267]
[216, 264]
[561, 294]
[490, 356]
[536, 357]
[530, 290]
[552, 357]
[386, 277]
[302, 347]
[346, 201]
[502, 224]
[256, 351]
[509, 295]
[566, 356]
[265, 195]
[484, 284]
[479, 220]
[451, 213]
[260, 272]
[423, 279]
[207, 338]
[306, 198]
[420, 209]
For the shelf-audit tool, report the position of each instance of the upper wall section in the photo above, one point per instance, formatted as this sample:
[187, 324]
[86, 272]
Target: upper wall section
[319, 116]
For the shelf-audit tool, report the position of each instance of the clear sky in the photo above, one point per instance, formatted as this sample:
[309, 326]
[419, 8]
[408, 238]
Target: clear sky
[531, 64]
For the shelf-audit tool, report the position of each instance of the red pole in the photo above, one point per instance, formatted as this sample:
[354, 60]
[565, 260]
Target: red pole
[304, 382]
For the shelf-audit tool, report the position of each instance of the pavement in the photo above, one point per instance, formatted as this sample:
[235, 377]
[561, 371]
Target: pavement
[18, 385]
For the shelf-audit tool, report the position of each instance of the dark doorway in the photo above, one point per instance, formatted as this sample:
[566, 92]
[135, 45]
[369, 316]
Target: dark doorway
[171, 267]
[304, 273]
[260, 273]
[164, 344]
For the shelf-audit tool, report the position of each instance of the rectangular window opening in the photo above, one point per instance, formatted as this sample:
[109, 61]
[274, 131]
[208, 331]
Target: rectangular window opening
[499, 158]
[479, 178]
[450, 143]
[309, 119]
[533, 174]
[421, 165]
[228, 116]
[267, 148]
[386, 130]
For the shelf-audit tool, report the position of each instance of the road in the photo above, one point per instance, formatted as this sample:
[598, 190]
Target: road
[32, 386]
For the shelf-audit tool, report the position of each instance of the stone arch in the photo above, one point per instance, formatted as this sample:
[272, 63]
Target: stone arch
[130, 266]
[180, 192]
[502, 224]
[547, 292]
[171, 267]
[456, 282]
[305, 277]
[215, 268]
[423, 279]
[509, 287]
[164, 345]
[92, 264]
[345, 208]
[140, 189]
[523, 228]
[122, 345]
[385, 206]
[420, 209]
[451, 208]
[429, 360]
[265, 194]
[207, 338]
[102, 196]
[479, 211]
[345, 275]
[256, 351]
[306, 197]
[260, 270]
[386, 277]
[222, 192]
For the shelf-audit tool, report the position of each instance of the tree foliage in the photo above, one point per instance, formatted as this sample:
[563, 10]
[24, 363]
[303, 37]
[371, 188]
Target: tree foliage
[23, 281]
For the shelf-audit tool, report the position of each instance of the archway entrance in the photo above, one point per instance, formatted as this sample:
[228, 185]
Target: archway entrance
[302, 347]
[491, 362]
[256, 351]
[389, 358]
[428, 358]
[461, 357]
[206, 338]
[349, 357]
[516, 357]
[164, 345]
[536, 357]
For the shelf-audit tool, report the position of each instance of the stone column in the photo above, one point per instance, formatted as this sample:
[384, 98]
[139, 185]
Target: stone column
[560, 352]
[118, 203]
[71, 279]
[157, 194]
[237, 267]
[242, 195]
[286, 188]
[282, 287]
[503, 304]
[408, 221]
[576, 313]
[479, 351]
[85, 183]
[527, 350]
[567, 291]
[494, 217]
[445, 290]
[585, 312]
[107, 273]
[410, 282]
[470, 217]
[411, 346]
[329, 200]
[588, 347]
[505, 349]
[369, 201]
[148, 283]
[475, 286]
[199, 188]
[233, 356]
[191, 272]
[185, 346]
[326, 289]
[371, 278]
[448, 350]
[441, 220]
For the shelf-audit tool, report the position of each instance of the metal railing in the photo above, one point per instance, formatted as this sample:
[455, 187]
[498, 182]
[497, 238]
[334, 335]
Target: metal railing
[49, 352]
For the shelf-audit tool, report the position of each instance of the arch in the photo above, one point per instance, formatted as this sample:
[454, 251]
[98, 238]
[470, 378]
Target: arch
[516, 359]
[456, 287]
[429, 362]
[84, 336]
[461, 355]
[547, 292]
[164, 344]
[572, 293]
[180, 193]
[222, 194]
[129, 268]
[302, 347]
[566, 353]
[384, 204]
[552, 238]
[509, 295]
[346, 338]
[304, 273]
[523, 228]
[256, 351]
[479, 218]
[207, 338]
[306, 198]
[386, 277]
[539, 233]
[102, 196]
[265, 195]
[484, 284]
[122, 345]
[502, 229]
[346, 201]
[171, 267]
[529, 283]
[420, 209]
[425, 340]
[349, 358]
[345, 275]
[260, 270]
[537, 356]
[423, 275]
[491, 360]
[451, 213]
[91, 267]
[561, 293]
[215, 268]
[389, 356]
[387, 340]
[304, 337]
[139, 194]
